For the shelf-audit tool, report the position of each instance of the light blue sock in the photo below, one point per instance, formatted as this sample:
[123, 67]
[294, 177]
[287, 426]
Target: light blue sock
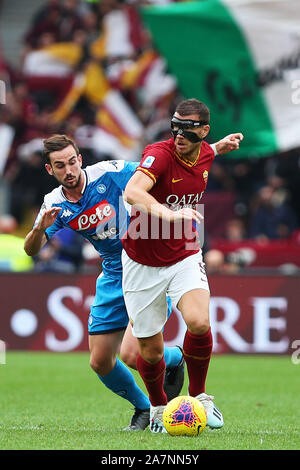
[173, 356]
[121, 381]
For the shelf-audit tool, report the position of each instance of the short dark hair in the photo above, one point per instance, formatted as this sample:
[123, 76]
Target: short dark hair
[57, 142]
[193, 106]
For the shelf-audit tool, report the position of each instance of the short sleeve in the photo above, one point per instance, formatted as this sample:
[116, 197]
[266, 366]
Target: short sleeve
[154, 162]
[123, 175]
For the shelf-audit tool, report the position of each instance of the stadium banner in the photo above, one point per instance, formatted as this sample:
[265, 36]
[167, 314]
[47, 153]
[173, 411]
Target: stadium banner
[249, 314]
[242, 58]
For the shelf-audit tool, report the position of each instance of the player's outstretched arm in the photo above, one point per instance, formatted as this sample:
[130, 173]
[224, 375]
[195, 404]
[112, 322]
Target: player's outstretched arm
[36, 238]
[229, 143]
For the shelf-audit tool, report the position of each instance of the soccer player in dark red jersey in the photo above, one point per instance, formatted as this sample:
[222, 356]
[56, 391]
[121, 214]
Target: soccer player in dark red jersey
[162, 255]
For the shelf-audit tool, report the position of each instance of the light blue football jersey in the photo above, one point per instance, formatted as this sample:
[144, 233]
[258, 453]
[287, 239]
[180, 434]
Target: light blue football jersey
[101, 216]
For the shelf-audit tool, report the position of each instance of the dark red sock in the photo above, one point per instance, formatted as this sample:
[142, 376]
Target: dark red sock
[197, 351]
[153, 376]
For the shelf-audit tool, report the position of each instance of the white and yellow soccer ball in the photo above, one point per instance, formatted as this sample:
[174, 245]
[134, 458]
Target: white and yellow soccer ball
[184, 416]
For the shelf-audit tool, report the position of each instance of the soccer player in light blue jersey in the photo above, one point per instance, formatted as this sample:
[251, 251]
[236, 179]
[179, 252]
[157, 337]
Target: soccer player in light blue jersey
[90, 201]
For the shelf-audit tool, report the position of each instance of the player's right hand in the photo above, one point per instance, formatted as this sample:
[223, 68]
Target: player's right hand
[48, 218]
[187, 214]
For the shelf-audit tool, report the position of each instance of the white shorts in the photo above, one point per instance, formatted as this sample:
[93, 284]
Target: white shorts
[145, 289]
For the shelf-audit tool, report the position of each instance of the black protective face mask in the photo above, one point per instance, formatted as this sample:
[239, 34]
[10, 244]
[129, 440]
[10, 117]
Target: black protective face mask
[180, 126]
[191, 136]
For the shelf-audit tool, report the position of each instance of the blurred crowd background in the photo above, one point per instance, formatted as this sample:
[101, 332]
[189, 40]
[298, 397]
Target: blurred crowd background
[90, 69]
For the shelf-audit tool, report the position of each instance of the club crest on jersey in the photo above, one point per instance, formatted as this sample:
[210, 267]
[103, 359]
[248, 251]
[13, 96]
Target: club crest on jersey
[205, 175]
[148, 162]
[101, 188]
[94, 216]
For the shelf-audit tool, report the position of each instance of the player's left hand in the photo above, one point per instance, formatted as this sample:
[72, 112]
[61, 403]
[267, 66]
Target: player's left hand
[229, 143]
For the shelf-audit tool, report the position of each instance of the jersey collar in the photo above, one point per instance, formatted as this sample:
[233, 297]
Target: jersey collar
[186, 161]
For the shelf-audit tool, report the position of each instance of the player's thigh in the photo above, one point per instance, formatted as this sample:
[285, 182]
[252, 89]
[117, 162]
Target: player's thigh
[103, 350]
[144, 289]
[194, 307]
[130, 346]
[186, 275]
[189, 291]
[108, 312]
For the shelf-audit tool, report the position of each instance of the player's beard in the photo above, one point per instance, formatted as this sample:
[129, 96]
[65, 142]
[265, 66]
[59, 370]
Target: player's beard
[73, 182]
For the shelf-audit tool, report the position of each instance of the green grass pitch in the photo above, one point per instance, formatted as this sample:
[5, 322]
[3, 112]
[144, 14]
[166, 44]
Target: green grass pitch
[55, 401]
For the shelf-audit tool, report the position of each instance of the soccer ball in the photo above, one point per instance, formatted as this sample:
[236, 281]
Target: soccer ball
[184, 416]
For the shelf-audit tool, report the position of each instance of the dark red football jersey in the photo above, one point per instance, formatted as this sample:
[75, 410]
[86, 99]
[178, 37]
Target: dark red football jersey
[178, 183]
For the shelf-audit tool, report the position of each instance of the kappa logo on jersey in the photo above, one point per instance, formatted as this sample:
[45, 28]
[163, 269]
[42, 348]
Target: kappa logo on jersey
[115, 163]
[98, 214]
[148, 162]
[66, 213]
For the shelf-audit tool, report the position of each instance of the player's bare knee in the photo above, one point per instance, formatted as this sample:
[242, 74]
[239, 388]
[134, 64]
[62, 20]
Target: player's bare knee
[152, 348]
[128, 358]
[153, 356]
[199, 326]
[101, 365]
[94, 364]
